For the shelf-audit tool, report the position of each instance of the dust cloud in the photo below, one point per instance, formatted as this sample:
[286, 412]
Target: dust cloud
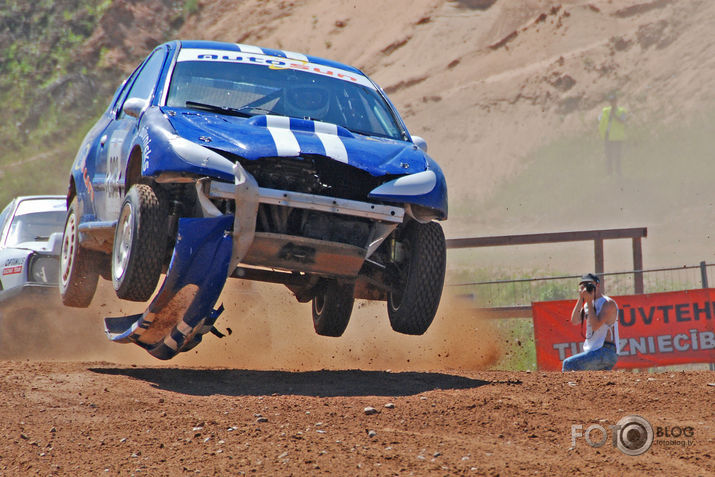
[42, 328]
[269, 329]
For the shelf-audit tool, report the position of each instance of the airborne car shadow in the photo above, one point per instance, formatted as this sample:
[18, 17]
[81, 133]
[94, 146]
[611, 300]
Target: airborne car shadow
[232, 382]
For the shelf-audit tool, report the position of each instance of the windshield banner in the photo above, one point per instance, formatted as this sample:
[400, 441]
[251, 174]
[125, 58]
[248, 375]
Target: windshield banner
[656, 329]
[273, 62]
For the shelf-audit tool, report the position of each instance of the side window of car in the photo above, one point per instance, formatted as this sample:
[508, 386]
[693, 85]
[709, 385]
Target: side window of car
[145, 81]
[122, 92]
[4, 217]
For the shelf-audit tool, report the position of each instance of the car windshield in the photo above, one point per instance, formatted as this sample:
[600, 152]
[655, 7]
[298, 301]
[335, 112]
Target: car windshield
[301, 90]
[31, 225]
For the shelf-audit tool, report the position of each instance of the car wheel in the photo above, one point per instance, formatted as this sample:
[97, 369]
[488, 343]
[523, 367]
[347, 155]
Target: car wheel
[413, 301]
[139, 244]
[78, 272]
[332, 307]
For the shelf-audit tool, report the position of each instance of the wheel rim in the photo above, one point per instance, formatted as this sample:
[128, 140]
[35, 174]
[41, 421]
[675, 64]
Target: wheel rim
[403, 272]
[319, 303]
[123, 242]
[395, 300]
[68, 249]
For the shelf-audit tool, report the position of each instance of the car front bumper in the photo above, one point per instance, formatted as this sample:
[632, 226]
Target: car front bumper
[290, 252]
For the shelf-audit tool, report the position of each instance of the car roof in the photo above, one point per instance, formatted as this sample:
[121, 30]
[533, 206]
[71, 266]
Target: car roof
[26, 203]
[27, 198]
[243, 48]
[33, 197]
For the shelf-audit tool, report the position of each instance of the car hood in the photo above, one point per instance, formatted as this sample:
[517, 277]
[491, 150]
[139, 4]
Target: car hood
[272, 136]
[45, 247]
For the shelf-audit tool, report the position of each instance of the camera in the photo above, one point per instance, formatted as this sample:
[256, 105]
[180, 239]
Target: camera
[590, 287]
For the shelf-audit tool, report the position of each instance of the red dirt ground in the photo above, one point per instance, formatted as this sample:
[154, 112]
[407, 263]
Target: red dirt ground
[73, 403]
[97, 418]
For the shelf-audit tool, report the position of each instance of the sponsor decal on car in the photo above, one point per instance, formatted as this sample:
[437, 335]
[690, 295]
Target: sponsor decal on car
[88, 182]
[275, 62]
[12, 270]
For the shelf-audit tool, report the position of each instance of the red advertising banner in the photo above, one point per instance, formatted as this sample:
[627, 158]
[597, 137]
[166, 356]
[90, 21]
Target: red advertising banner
[656, 329]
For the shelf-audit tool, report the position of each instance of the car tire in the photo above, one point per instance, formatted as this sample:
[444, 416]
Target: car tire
[332, 307]
[78, 266]
[413, 302]
[140, 240]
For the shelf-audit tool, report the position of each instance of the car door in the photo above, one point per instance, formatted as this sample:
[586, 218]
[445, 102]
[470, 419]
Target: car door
[94, 164]
[117, 139]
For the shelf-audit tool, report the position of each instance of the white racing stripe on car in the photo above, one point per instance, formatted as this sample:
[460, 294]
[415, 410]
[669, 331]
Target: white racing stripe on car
[334, 147]
[250, 49]
[284, 139]
[292, 55]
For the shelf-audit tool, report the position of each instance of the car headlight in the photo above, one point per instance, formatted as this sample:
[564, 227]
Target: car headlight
[420, 183]
[200, 156]
[44, 269]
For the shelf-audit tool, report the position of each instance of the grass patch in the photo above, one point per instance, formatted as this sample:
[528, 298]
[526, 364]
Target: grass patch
[517, 337]
[44, 40]
[22, 178]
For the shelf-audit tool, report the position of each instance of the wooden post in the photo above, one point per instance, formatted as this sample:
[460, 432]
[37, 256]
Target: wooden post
[637, 266]
[598, 254]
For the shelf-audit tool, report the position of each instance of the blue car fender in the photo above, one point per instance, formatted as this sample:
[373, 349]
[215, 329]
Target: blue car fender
[166, 151]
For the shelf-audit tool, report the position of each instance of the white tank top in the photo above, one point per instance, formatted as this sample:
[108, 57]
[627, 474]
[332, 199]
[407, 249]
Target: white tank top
[595, 340]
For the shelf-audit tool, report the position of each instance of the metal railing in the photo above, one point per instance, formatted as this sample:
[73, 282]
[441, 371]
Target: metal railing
[513, 297]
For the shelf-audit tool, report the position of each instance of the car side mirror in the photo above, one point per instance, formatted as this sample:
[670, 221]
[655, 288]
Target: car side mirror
[134, 106]
[55, 243]
[420, 142]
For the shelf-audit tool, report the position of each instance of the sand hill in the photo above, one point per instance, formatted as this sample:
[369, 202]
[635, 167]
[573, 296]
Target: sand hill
[488, 82]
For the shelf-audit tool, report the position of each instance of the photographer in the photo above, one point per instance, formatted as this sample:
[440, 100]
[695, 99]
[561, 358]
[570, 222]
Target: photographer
[600, 314]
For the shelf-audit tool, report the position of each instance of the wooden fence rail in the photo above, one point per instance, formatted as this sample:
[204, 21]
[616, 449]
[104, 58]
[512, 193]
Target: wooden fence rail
[597, 236]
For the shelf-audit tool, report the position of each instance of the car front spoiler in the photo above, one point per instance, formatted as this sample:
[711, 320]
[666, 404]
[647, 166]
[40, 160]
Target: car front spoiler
[182, 312]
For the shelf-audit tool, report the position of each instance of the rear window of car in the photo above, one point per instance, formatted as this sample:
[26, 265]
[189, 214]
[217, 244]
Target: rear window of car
[35, 220]
[314, 92]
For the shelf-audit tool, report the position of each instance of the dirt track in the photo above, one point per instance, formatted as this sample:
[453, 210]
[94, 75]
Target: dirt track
[96, 418]
[84, 416]
[81, 404]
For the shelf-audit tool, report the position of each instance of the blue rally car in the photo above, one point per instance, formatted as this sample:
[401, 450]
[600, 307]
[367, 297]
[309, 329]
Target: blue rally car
[218, 160]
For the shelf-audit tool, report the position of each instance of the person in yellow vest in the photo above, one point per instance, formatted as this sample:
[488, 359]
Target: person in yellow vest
[612, 127]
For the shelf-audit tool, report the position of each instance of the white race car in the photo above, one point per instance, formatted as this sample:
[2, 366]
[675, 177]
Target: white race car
[30, 243]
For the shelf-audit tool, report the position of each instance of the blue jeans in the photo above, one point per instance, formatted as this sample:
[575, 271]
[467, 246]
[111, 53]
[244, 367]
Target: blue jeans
[603, 358]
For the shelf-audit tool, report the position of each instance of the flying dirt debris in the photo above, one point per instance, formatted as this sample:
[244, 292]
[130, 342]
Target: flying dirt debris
[219, 159]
